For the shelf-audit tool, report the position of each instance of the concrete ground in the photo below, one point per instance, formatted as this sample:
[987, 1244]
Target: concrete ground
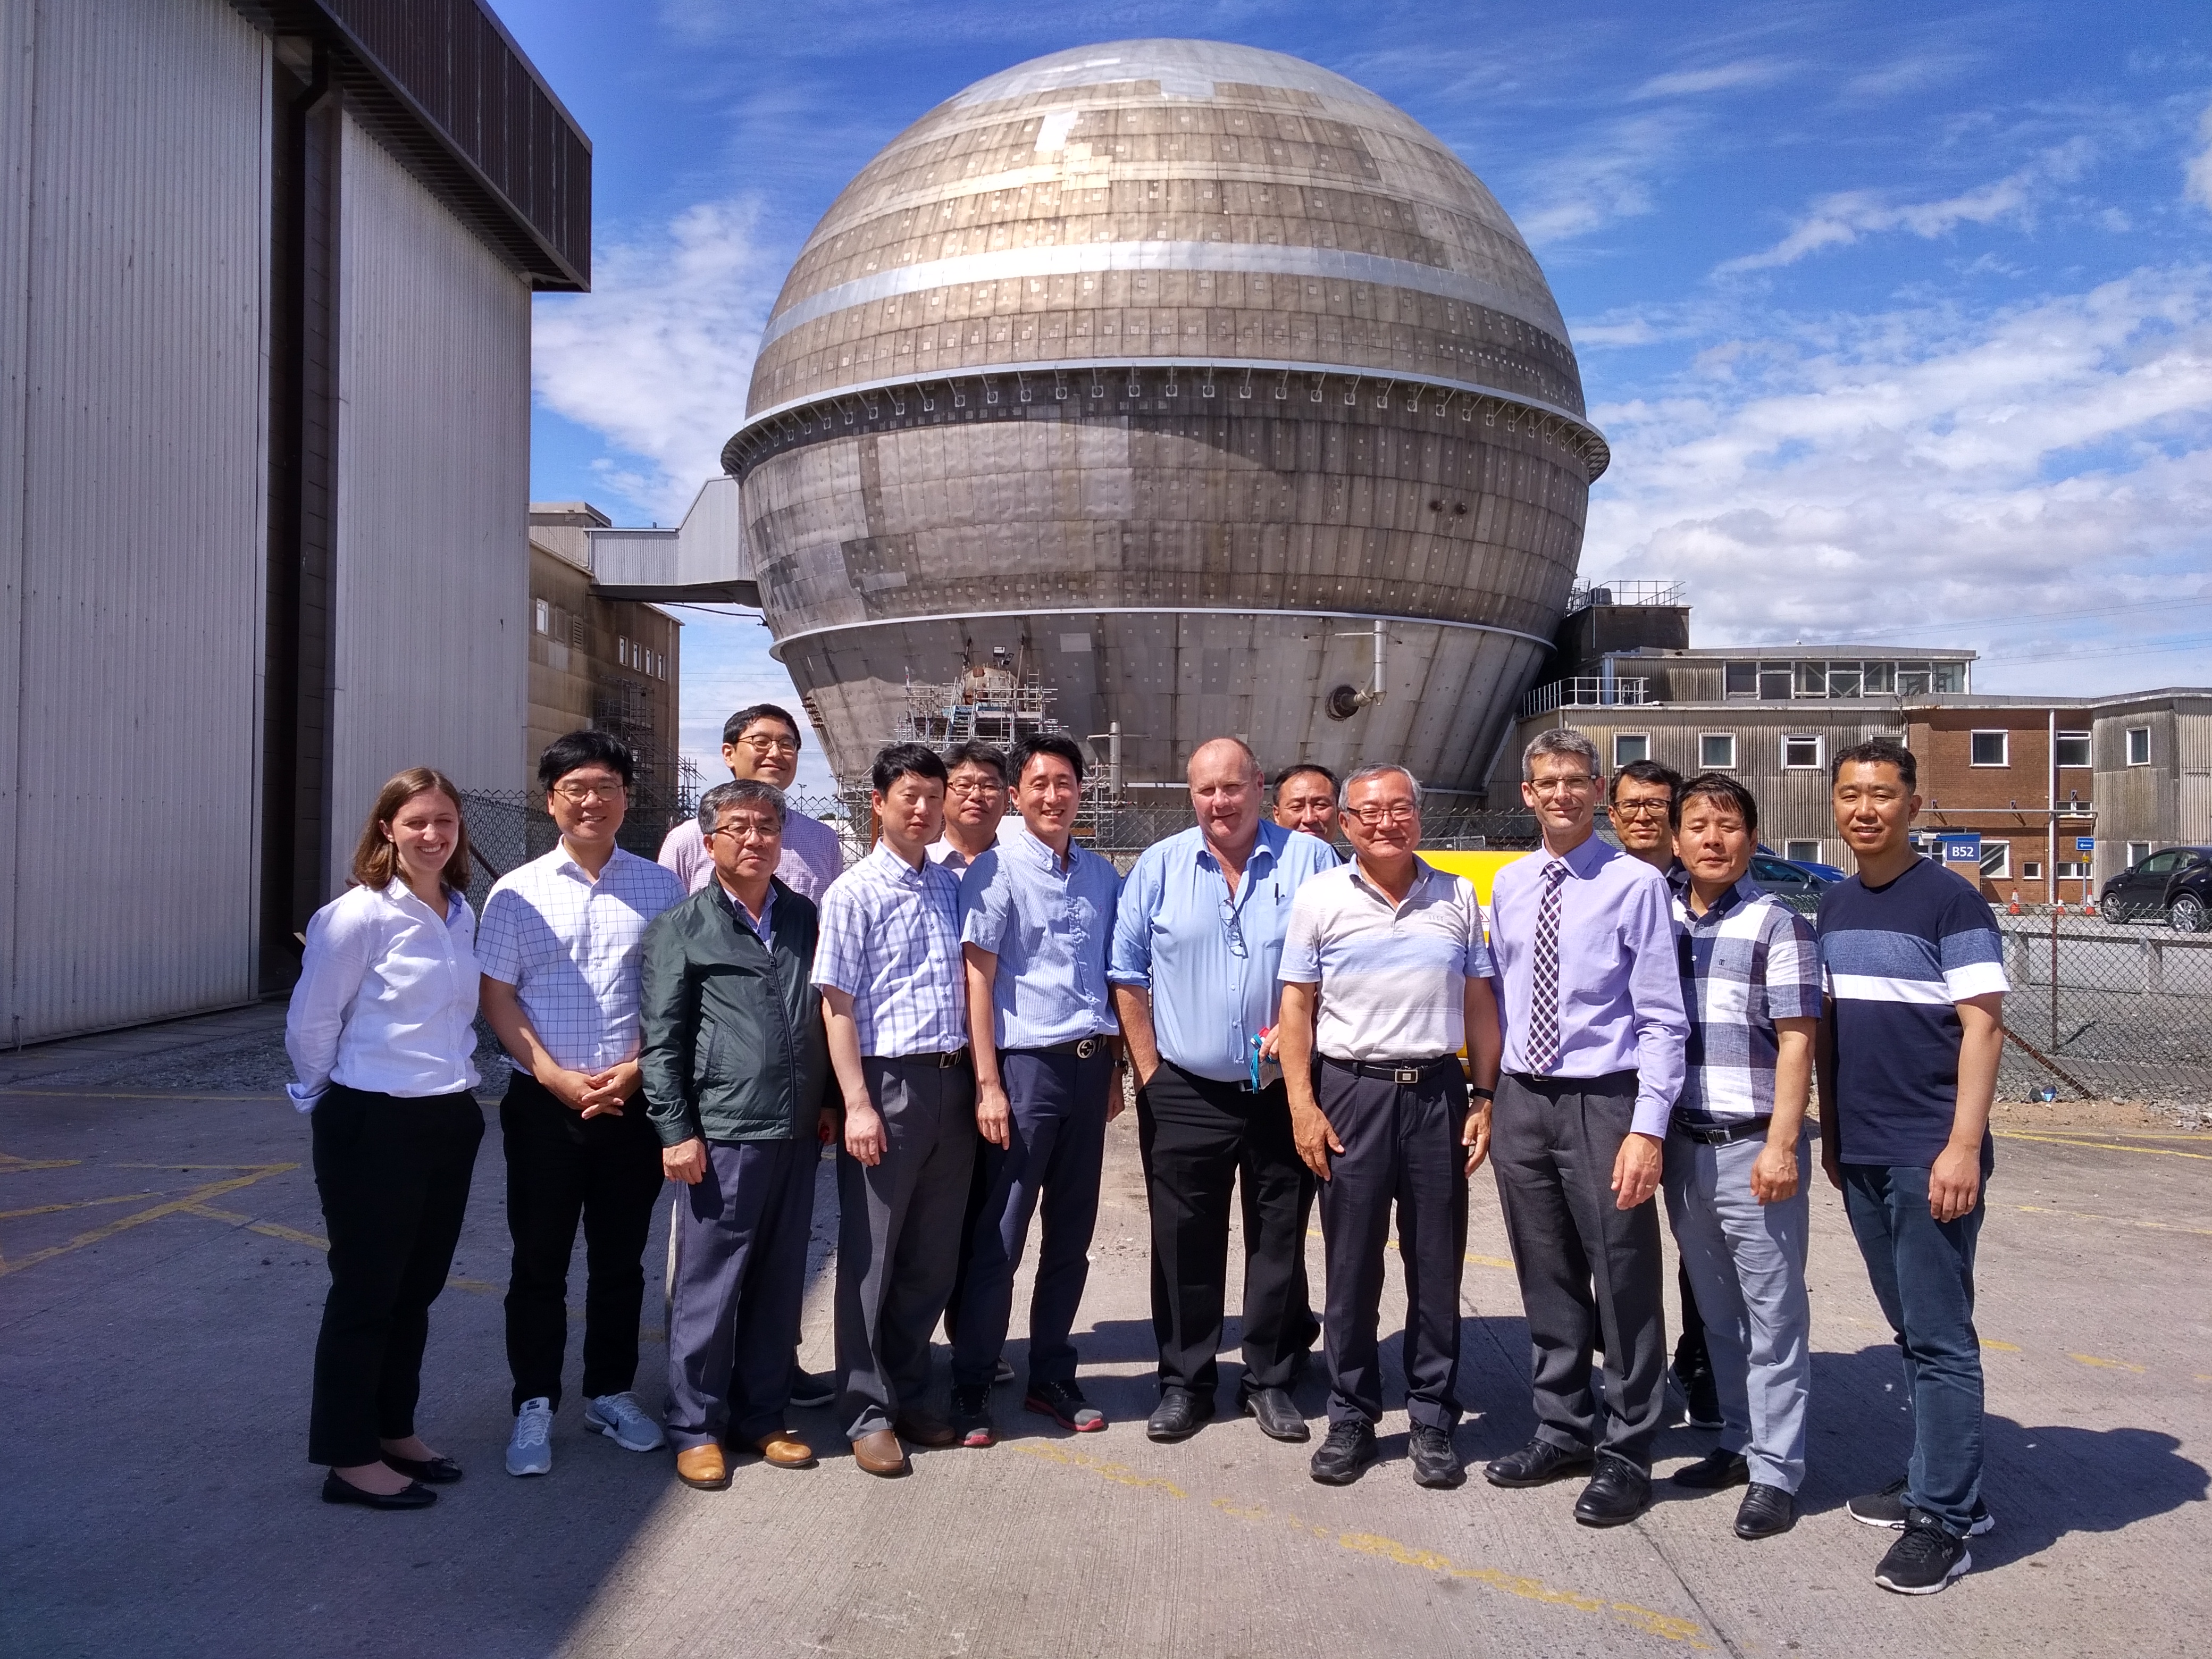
[161, 1278]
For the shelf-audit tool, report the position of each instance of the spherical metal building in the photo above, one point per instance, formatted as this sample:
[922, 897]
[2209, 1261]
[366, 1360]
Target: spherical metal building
[1172, 369]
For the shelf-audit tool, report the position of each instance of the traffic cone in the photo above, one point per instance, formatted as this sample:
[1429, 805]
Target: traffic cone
[2088, 902]
[2013, 909]
[2061, 909]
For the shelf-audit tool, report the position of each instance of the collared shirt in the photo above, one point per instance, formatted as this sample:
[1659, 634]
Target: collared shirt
[1212, 960]
[386, 1001]
[813, 858]
[569, 944]
[1747, 961]
[942, 851]
[1393, 977]
[764, 929]
[1050, 926]
[1620, 993]
[890, 940]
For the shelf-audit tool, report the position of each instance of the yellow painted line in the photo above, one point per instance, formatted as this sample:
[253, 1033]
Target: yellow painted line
[293, 1235]
[156, 1212]
[10, 1164]
[2102, 1146]
[80, 1204]
[2108, 1365]
[1996, 1347]
[1120, 1473]
[2115, 1220]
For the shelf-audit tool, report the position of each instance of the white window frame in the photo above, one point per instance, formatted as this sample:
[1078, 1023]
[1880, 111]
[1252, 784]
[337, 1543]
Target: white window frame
[1704, 738]
[1620, 738]
[2088, 749]
[1793, 851]
[2135, 732]
[1812, 765]
[541, 615]
[1997, 860]
[2137, 852]
[2005, 743]
[2031, 870]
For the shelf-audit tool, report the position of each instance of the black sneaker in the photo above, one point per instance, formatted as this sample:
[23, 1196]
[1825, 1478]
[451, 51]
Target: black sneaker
[1436, 1462]
[971, 1416]
[1925, 1560]
[1344, 1455]
[1701, 1400]
[1886, 1508]
[1064, 1403]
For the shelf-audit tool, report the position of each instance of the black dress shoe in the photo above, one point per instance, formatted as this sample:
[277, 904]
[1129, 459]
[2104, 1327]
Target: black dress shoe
[1618, 1492]
[1715, 1470]
[431, 1471]
[1535, 1464]
[1179, 1414]
[1765, 1510]
[413, 1496]
[1434, 1459]
[1278, 1415]
[1344, 1456]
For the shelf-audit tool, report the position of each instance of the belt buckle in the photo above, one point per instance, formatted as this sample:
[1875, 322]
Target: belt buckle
[950, 1059]
[1405, 1075]
[1086, 1046]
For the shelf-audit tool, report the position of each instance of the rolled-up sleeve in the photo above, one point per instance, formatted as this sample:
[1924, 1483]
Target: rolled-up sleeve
[1130, 962]
[330, 972]
[1655, 992]
[668, 1021]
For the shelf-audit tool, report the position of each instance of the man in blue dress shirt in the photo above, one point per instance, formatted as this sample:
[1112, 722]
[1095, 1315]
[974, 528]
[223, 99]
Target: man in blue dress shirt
[1198, 949]
[1036, 915]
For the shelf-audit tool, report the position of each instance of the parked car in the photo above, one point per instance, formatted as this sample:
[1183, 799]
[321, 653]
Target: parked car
[1798, 885]
[2173, 886]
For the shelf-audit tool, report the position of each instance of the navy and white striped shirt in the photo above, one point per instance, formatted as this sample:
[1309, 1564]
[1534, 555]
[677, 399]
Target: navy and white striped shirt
[1747, 961]
[890, 940]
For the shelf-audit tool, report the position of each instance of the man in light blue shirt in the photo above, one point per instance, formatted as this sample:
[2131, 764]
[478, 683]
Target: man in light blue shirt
[1197, 946]
[1036, 915]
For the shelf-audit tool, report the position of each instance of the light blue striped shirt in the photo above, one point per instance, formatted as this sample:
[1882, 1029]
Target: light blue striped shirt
[890, 940]
[1050, 929]
[1211, 962]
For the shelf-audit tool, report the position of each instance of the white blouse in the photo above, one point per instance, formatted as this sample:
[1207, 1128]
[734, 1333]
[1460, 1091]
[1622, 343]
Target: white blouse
[386, 1000]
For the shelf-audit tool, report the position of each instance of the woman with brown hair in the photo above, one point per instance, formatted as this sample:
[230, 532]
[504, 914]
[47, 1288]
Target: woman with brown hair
[382, 1034]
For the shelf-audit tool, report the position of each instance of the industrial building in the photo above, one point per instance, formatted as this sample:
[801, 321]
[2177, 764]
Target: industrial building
[265, 273]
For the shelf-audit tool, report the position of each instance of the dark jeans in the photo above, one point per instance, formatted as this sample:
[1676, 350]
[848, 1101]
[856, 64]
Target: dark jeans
[1050, 1170]
[1401, 1146]
[1198, 1139]
[394, 1179]
[741, 1237]
[562, 1168]
[1923, 1271]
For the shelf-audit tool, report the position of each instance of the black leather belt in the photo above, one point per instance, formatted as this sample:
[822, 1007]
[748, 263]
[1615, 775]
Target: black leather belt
[1081, 1047]
[944, 1063]
[1391, 1071]
[1725, 1134]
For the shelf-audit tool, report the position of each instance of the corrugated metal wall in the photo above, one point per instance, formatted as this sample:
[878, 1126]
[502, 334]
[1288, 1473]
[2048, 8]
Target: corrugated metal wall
[434, 488]
[134, 174]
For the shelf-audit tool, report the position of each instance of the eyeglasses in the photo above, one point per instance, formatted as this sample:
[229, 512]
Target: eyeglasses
[975, 786]
[1574, 783]
[1396, 811]
[1639, 808]
[1232, 919]
[764, 745]
[582, 793]
[752, 831]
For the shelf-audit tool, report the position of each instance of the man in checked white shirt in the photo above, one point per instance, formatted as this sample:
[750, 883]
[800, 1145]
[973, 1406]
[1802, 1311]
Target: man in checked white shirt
[559, 945]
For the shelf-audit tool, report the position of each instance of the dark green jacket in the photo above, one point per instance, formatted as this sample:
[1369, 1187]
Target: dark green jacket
[734, 1047]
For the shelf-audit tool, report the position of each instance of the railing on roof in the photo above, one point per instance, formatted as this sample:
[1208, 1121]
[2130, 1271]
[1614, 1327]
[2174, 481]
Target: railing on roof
[1584, 691]
[1583, 595]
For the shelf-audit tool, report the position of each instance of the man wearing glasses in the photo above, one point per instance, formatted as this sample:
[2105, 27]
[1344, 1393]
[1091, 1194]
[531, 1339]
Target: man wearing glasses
[1594, 1032]
[974, 802]
[1197, 946]
[559, 946]
[762, 743]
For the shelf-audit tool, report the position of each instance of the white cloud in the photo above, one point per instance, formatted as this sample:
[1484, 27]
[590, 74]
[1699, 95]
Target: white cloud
[1606, 179]
[657, 356]
[2196, 180]
[1887, 471]
[1839, 220]
[1682, 83]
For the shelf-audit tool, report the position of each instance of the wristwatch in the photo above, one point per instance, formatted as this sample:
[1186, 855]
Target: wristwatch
[1477, 1093]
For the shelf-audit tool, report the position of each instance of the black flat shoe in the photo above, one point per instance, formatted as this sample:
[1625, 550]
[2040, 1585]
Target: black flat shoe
[1618, 1492]
[1276, 1413]
[415, 1495]
[431, 1471]
[1536, 1464]
[1179, 1414]
[1715, 1470]
[1766, 1511]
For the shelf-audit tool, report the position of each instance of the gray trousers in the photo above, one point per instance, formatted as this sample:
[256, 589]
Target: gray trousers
[1589, 1273]
[1746, 1262]
[898, 1237]
[740, 1278]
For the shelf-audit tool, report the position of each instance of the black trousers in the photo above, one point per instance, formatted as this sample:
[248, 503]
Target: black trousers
[1198, 1139]
[394, 1179]
[562, 1168]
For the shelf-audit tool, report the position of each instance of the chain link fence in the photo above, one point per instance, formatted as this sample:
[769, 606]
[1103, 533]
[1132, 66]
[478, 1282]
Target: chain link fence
[2112, 1011]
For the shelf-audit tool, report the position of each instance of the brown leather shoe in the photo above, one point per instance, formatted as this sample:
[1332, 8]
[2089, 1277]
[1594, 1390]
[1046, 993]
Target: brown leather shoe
[880, 1453]
[703, 1467]
[925, 1429]
[784, 1451]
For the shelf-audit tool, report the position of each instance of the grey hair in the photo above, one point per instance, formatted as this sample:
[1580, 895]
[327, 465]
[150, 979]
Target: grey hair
[737, 792]
[1381, 769]
[1559, 740]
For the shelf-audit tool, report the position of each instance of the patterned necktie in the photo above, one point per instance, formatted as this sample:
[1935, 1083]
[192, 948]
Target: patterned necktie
[1544, 999]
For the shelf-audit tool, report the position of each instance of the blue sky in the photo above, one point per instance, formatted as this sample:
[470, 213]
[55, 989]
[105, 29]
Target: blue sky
[1898, 317]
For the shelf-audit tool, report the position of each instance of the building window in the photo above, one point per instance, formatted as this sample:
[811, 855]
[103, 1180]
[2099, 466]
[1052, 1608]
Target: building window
[1802, 852]
[1845, 680]
[2139, 746]
[1811, 679]
[1774, 681]
[1801, 753]
[2137, 850]
[2073, 870]
[1991, 748]
[2032, 870]
[1911, 681]
[2073, 749]
[1880, 679]
[1947, 676]
[1717, 751]
[541, 615]
[1741, 679]
[1997, 860]
[1631, 747]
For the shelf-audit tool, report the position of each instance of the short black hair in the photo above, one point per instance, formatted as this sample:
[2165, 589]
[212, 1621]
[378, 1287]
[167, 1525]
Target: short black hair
[734, 727]
[1048, 743]
[1646, 771]
[1720, 787]
[1877, 751]
[1314, 767]
[975, 752]
[585, 748]
[894, 760]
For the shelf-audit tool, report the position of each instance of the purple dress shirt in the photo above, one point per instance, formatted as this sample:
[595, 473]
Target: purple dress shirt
[813, 857]
[1620, 989]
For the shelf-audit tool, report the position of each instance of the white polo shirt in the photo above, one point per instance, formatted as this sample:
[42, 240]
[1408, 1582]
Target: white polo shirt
[1393, 977]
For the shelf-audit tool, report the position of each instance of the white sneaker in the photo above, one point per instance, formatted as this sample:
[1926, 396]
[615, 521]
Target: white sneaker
[623, 1420]
[531, 1449]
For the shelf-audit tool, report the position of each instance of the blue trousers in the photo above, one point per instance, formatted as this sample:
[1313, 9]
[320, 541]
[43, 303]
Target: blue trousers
[1923, 1271]
[741, 1237]
[1050, 1170]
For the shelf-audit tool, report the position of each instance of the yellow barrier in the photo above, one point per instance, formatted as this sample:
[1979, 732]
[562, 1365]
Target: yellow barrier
[1480, 868]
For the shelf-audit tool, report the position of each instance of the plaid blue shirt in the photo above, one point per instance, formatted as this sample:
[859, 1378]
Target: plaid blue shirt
[890, 940]
[1747, 961]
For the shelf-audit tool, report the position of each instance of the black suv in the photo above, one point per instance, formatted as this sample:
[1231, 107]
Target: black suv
[2174, 886]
